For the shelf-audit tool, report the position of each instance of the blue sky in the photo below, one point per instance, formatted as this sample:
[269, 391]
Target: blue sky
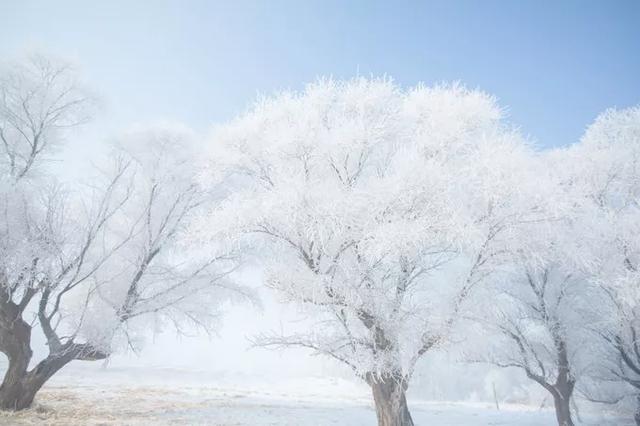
[554, 64]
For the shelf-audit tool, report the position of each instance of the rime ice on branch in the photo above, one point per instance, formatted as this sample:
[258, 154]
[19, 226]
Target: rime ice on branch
[377, 209]
[89, 264]
[605, 175]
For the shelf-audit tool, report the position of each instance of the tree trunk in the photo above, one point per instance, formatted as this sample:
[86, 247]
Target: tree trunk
[15, 343]
[565, 383]
[11, 391]
[20, 386]
[17, 394]
[563, 411]
[391, 403]
[636, 416]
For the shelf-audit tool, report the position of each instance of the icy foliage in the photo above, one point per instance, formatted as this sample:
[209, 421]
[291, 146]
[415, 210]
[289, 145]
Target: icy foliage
[572, 290]
[40, 100]
[608, 159]
[605, 175]
[95, 262]
[378, 209]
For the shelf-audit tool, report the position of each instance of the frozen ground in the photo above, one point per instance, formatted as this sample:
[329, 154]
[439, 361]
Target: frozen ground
[86, 395]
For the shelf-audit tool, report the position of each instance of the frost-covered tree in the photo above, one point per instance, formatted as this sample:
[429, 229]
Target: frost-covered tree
[575, 276]
[378, 210]
[40, 100]
[605, 174]
[555, 294]
[86, 263]
[544, 308]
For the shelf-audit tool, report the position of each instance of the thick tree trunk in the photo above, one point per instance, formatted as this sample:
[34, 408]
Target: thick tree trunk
[17, 395]
[391, 403]
[15, 340]
[563, 411]
[20, 386]
[11, 390]
[15, 391]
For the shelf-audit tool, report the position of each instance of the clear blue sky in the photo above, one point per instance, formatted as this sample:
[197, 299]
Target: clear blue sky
[554, 64]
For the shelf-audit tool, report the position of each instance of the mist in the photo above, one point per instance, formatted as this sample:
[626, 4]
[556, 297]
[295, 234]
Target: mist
[319, 213]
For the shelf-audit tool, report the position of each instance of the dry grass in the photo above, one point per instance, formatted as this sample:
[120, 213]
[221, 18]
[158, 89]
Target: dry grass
[132, 406]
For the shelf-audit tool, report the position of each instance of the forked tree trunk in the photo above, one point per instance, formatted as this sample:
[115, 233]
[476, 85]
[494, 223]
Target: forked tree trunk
[561, 391]
[390, 401]
[15, 339]
[21, 385]
[563, 411]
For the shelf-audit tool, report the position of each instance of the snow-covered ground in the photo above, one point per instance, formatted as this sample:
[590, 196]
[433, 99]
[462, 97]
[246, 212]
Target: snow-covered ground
[86, 395]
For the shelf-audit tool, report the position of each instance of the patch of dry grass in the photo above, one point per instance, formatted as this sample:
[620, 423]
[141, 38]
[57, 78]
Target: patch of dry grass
[58, 406]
